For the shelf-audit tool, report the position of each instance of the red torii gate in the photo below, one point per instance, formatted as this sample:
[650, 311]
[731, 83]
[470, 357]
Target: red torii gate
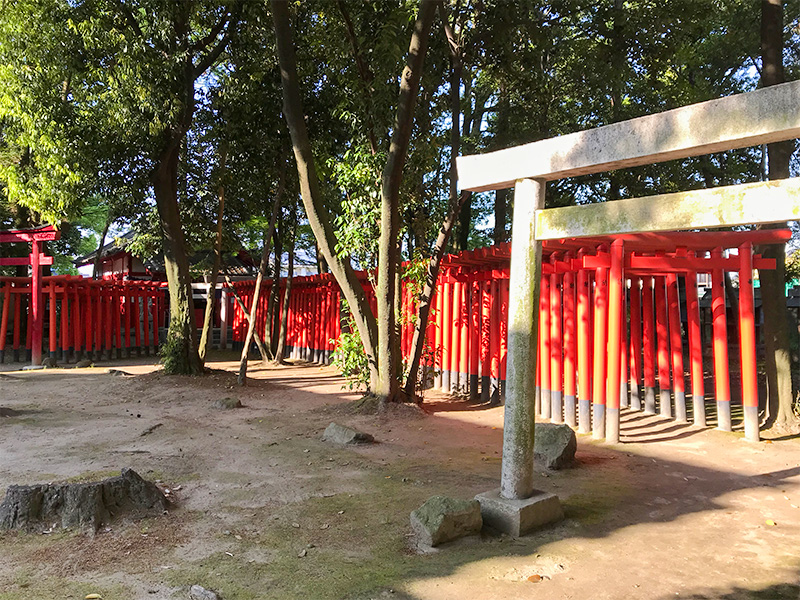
[36, 260]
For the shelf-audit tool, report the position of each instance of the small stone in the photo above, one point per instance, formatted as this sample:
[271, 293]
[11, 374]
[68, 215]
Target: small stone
[339, 434]
[49, 363]
[227, 403]
[83, 364]
[197, 592]
[554, 445]
[442, 519]
[302, 553]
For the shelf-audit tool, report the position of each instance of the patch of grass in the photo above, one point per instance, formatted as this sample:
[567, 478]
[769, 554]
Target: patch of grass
[29, 583]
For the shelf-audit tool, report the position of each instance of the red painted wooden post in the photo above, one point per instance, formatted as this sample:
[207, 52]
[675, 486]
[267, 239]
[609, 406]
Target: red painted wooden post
[676, 347]
[4, 319]
[556, 346]
[447, 334]
[77, 339]
[64, 330]
[648, 346]
[570, 415]
[439, 333]
[584, 337]
[695, 349]
[600, 352]
[615, 337]
[53, 327]
[623, 348]
[88, 322]
[544, 349]
[36, 304]
[17, 325]
[464, 350]
[486, 332]
[722, 389]
[146, 320]
[503, 288]
[116, 310]
[474, 340]
[135, 316]
[494, 393]
[455, 338]
[635, 347]
[747, 346]
[662, 344]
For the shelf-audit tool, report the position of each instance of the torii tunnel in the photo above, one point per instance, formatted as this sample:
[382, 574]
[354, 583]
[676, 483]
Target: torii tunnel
[650, 361]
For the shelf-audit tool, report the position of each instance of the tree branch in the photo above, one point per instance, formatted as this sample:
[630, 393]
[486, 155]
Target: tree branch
[212, 55]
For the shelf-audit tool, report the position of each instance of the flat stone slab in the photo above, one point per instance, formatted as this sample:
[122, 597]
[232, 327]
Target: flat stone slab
[519, 517]
[442, 519]
[339, 434]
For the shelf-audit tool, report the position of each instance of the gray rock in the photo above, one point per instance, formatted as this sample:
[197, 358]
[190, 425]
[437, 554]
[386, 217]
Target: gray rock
[198, 592]
[49, 362]
[83, 364]
[554, 445]
[227, 403]
[442, 519]
[80, 505]
[339, 434]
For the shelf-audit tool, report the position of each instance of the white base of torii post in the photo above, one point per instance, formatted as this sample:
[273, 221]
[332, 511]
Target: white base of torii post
[517, 507]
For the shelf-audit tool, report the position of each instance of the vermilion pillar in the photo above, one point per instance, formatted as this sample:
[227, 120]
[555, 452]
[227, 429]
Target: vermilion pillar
[494, 393]
[455, 338]
[695, 350]
[569, 348]
[544, 353]
[600, 353]
[503, 288]
[662, 345]
[438, 334]
[747, 345]
[447, 334]
[722, 384]
[65, 337]
[648, 346]
[584, 337]
[4, 319]
[556, 346]
[623, 348]
[463, 345]
[615, 325]
[486, 329]
[36, 305]
[676, 347]
[474, 340]
[635, 350]
[52, 333]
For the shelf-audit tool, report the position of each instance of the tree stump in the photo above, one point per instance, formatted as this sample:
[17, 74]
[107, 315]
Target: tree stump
[85, 506]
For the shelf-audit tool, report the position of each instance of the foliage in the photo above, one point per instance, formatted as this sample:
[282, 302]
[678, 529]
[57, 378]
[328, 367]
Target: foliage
[349, 357]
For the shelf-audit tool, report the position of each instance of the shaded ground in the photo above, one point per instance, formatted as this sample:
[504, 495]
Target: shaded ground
[689, 516]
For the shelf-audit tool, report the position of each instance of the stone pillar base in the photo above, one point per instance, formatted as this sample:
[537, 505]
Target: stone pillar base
[519, 517]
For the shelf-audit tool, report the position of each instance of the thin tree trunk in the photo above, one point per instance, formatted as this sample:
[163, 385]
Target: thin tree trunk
[391, 179]
[243, 308]
[316, 212]
[778, 362]
[262, 268]
[211, 295]
[424, 310]
[271, 334]
[98, 259]
[287, 295]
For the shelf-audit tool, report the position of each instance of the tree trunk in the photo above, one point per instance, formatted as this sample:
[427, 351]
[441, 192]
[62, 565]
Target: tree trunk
[262, 269]
[425, 300]
[313, 201]
[211, 295]
[287, 296]
[271, 334]
[179, 354]
[388, 346]
[778, 360]
[98, 259]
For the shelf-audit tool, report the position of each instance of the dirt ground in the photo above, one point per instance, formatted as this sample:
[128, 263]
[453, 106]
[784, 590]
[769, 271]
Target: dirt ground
[264, 509]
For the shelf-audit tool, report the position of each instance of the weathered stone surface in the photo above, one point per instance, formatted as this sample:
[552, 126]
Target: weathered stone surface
[339, 434]
[83, 364]
[80, 505]
[197, 592]
[442, 519]
[227, 403]
[554, 445]
[49, 362]
[518, 517]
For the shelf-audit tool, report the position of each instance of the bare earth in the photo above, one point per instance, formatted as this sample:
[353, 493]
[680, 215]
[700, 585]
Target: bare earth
[264, 509]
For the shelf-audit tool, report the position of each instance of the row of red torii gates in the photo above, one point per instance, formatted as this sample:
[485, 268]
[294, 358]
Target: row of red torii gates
[466, 338]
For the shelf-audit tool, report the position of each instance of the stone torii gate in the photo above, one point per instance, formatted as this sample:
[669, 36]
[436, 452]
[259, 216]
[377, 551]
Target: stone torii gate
[760, 117]
[36, 260]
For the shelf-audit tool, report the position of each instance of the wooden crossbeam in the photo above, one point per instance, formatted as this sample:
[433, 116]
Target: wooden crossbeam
[746, 204]
[763, 116]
